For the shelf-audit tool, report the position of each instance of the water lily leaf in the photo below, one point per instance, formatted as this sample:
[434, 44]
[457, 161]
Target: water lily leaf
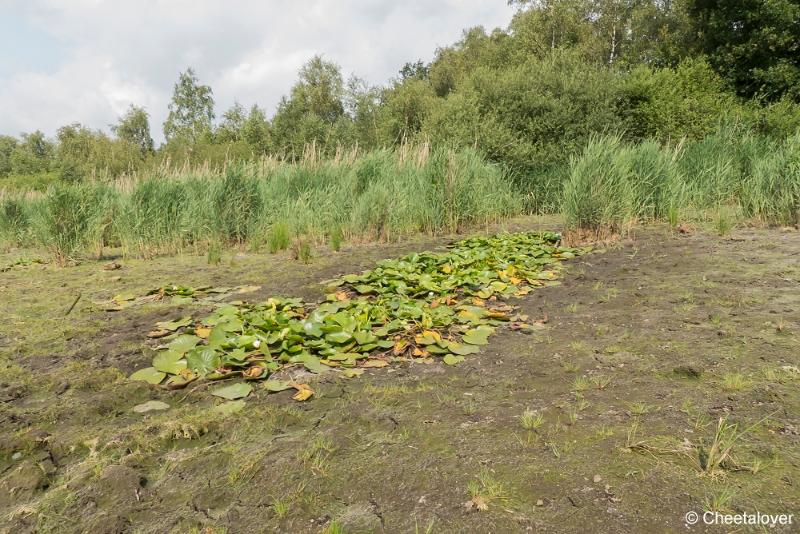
[452, 360]
[277, 385]
[352, 373]
[476, 337]
[462, 350]
[202, 332]
[247, 289]
[313, 364]
[364, 289]
[169, 361]
[184, 343]
[375, 363]
[364, 338]
[339, 337]
[202, 360]
[181, 380]
[428, 337]
[233, 391]
[149, 374]
[174, 325]
[303, 392]
[217, 337]
[255, 372]
[312, 328]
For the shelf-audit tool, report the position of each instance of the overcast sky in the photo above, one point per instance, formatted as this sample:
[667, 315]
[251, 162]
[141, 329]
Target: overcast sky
[64, 61]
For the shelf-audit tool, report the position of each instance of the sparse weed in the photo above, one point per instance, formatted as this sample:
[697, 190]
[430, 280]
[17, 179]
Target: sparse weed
[581, 383]
[600, 381]
[719, 501]
[531, 419]
[734, 382]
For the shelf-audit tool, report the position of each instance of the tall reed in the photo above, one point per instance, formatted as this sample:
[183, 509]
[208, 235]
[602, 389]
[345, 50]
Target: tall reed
[380, 195]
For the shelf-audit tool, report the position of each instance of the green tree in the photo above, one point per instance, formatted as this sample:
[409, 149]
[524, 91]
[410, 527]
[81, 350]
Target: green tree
[362, 105]
[230, 129]
[416, 69]
[7, 146]
[404, 108]
[314, 105]
[671, 104]
[755, 44]
[191, 110]
[256, 131]
[32, 155]
[134, 127]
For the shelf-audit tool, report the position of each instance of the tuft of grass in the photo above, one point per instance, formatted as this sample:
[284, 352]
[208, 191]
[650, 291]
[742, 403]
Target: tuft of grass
[719, 501]
[734, 382]
[214, 256]
[531, 419]
[581, 383]
[334, 528]
[336, 238]
[639, 408]
[281, 508]
[487, 489]
[723, 222]
[278, 237]
[600, 381]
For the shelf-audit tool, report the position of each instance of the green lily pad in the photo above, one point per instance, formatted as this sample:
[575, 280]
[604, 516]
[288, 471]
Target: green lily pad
[149, 374]
[476, 337]
[462, 350]
[233, 391]
[452, 360]
[184, 343]
[203, 360]
[339, 337]
[169, 361]
[276, 385]
[174, 325]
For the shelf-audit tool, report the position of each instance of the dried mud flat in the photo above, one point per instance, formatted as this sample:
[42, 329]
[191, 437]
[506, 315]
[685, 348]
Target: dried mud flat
[598, 422]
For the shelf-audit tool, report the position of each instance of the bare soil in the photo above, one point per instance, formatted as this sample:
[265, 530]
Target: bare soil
[647, 345]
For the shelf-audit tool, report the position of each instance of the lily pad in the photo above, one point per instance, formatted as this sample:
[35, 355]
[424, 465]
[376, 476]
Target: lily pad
[149, 374]
[184, 343]
[233, 391]
[452, 360]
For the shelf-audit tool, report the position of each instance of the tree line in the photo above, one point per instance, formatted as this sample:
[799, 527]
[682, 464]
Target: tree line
[528, 96]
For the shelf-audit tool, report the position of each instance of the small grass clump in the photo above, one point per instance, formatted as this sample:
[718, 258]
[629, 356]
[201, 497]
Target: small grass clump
[734, 382]
[531, 419]
[278, 237]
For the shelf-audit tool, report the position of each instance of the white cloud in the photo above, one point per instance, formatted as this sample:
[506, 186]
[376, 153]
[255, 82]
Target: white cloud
[120, 52]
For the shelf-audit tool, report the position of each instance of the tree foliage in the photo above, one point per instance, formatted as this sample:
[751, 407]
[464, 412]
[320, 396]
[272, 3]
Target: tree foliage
[134, 127]
[191, 111]
[529, 97]
[755, 44]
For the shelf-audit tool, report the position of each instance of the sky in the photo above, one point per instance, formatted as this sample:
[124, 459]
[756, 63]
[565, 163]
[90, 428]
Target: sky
[87, 61]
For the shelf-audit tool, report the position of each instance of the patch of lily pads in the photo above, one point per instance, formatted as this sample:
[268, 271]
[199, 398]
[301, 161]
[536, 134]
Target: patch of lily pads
[22, 262]
[425, 307]
[173, 294]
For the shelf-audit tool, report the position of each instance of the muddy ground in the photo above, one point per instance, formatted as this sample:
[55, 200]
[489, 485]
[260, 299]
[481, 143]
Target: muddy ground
[595, 424]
